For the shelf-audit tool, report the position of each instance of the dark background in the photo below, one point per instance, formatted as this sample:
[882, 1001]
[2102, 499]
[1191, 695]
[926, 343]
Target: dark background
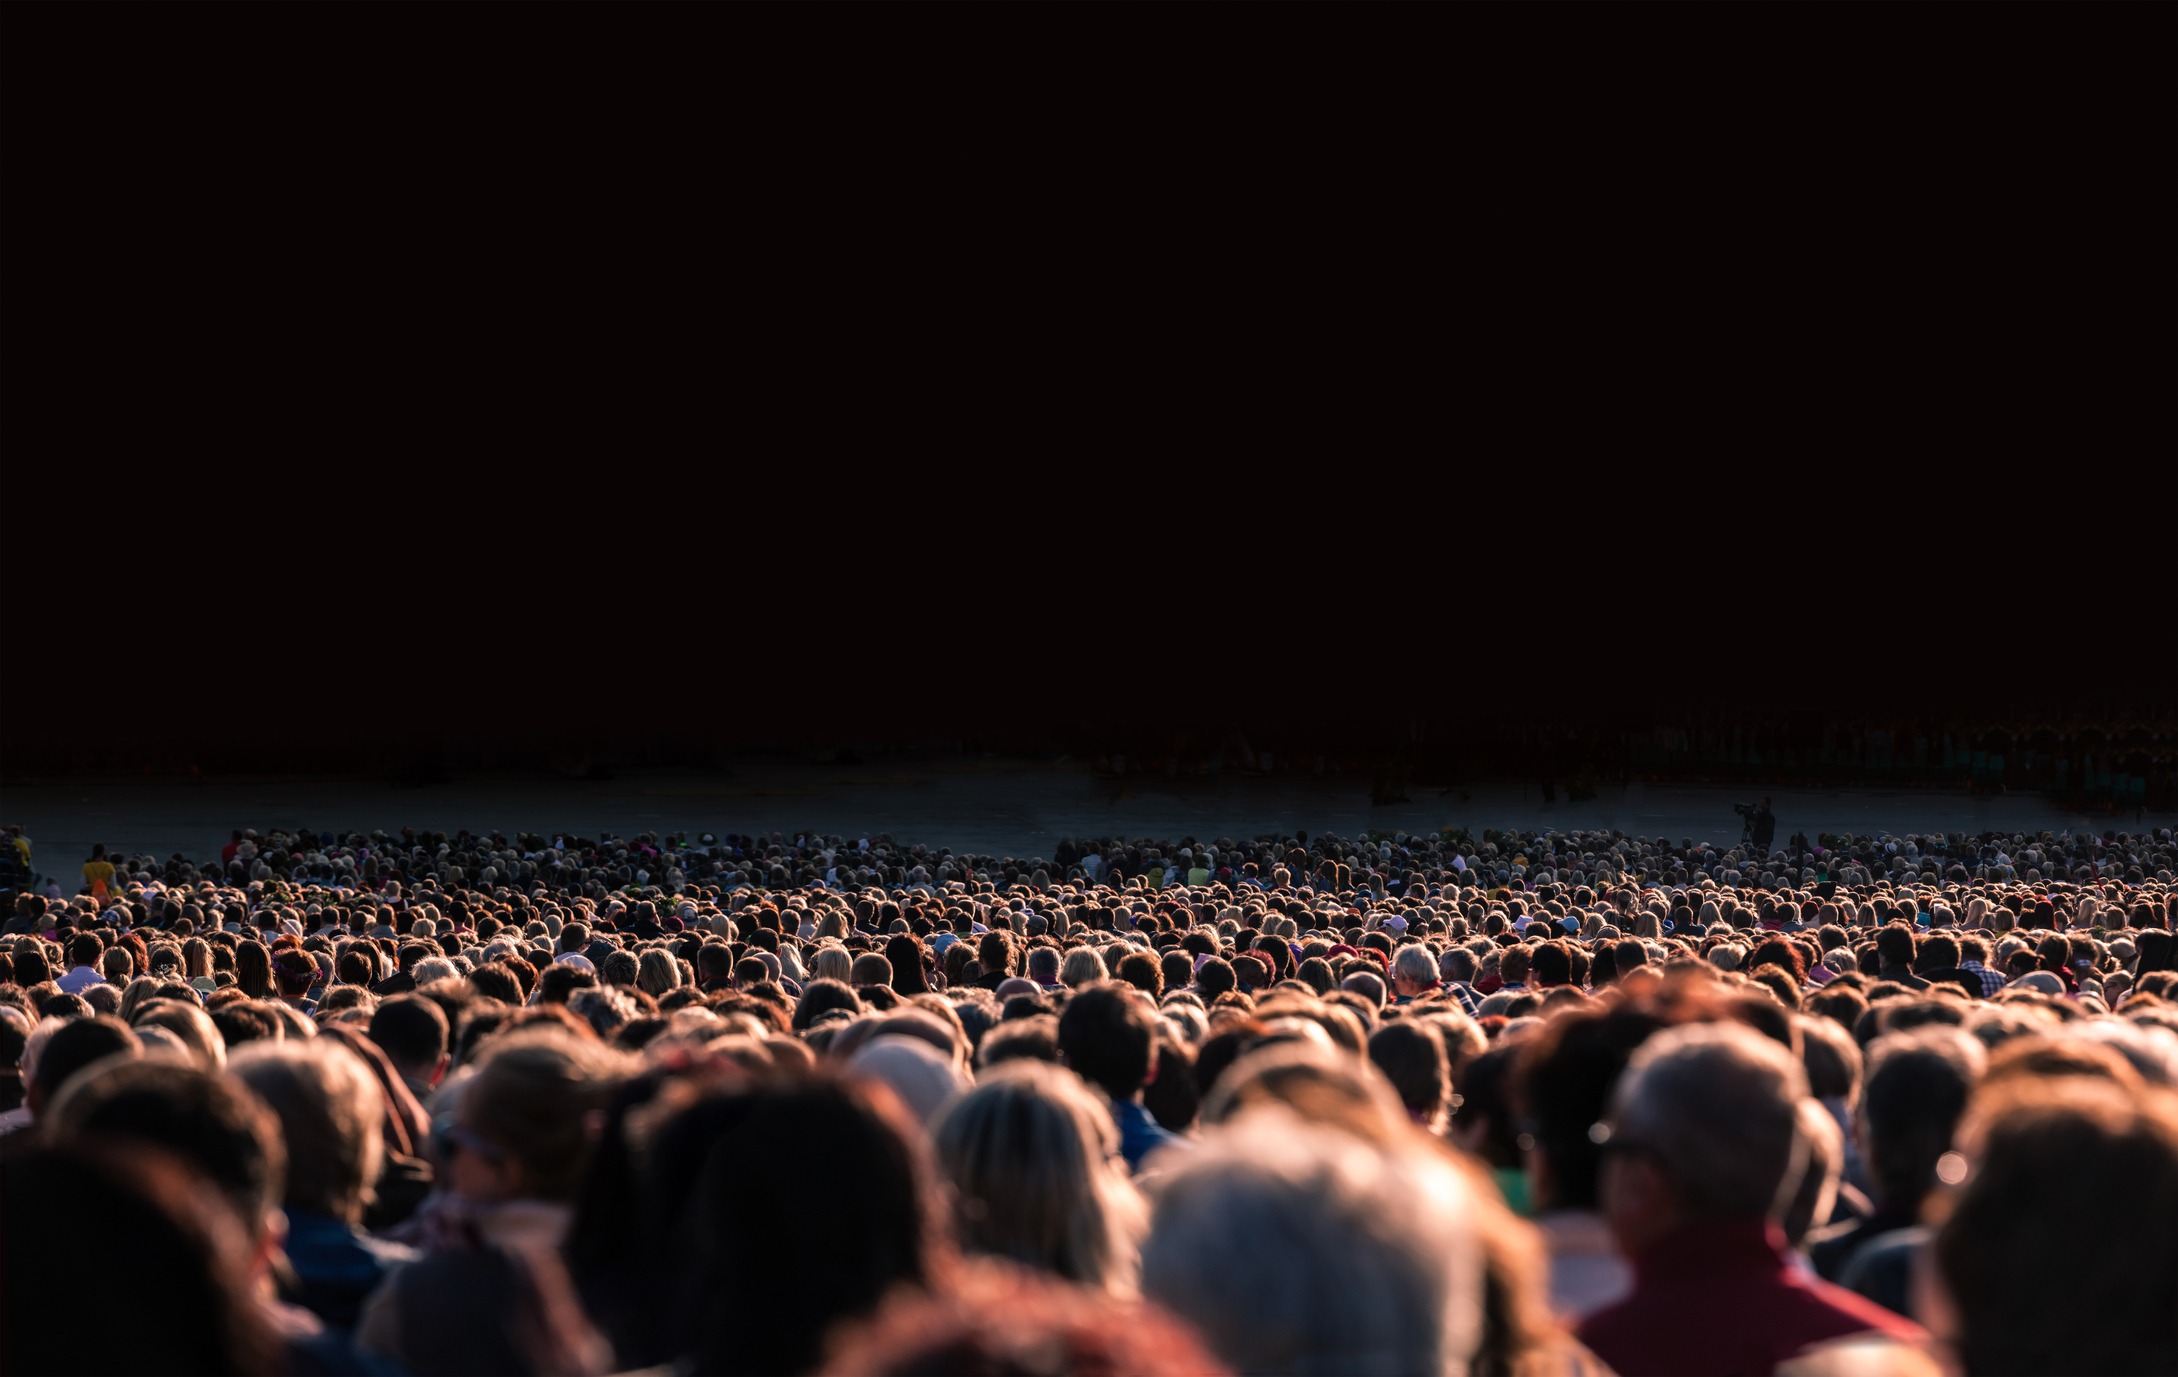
[393, 400]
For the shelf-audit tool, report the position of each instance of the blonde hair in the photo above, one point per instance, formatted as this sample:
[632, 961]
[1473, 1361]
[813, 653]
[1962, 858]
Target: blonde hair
[832, 962]
[1083, 967]
[658, 972]
[1029, 1153]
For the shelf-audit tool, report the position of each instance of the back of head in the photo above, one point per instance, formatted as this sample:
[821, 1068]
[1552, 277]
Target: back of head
[210, 1123]
[1411, 1055]
[736, 1256]
[330, 1111]
[1106, 1035]
[1313, 1081]
[531, 1099]
[1916, 1088]
[191, 1027]
[1035, 1038]
[1716, 1106]
[1294, 1248]
[1029, 1155]
[412, 1030]
[2065, 1181]
[1011, 1323]
[74, 1046]
[67, 1203]
[1561, 1084]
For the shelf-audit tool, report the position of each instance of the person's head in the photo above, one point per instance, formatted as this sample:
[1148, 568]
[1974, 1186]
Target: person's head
[191, 1027]
[209, 1121]
[1011, 1323]
[821, 997]
[253, 969]
[871, 969]
[2065, 1186]
[1411, 1055]
[1035, 1038]
[1414, 970]
[412, 1031]
[1295, 1248]
[1704, 1127]
[522, 1128]
[1107, 1035]
[1561, 1083]
[1029, 1153]
[1552, 964]
[1083, 966]
[67, 1205]
[1895, 945]
[1916, 1087]
[747, 1280]
[330, 1111]
[55, 1056]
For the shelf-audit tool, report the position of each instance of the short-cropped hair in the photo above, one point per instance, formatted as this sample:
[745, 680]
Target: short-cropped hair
[1716, 1105]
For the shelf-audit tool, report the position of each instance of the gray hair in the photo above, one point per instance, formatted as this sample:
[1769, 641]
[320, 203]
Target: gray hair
[604, 1007]
[1414, 963]
[1718, 1105]
[1293, 1248]
[434, 968]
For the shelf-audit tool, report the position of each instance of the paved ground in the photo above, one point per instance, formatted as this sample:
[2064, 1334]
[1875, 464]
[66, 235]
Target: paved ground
[984, 807]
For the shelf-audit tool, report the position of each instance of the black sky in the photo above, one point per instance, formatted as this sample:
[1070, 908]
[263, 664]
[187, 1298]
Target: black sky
[1821, 362]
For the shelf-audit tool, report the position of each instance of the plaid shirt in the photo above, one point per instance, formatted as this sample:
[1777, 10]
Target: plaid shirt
[1991, 982]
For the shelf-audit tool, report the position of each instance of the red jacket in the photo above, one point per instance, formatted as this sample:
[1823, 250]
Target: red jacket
[1724, 1300]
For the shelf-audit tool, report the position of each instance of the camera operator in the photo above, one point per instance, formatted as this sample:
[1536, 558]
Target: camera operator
[1761, 826]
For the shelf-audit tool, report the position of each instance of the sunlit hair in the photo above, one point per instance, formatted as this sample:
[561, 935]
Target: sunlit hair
[1030, 1153]
[1294, 1248]
[1083, 966]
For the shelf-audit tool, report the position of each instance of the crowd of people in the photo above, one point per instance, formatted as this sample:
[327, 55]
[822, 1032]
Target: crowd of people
[1564, 1103]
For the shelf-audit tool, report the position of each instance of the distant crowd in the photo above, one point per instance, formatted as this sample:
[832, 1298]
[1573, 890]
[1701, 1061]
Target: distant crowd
[1513, 1103]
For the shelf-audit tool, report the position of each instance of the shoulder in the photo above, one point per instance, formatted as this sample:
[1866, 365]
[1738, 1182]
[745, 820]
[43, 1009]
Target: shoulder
[1842, 1313]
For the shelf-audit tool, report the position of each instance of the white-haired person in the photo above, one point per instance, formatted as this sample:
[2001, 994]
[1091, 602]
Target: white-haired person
[1298, 1248]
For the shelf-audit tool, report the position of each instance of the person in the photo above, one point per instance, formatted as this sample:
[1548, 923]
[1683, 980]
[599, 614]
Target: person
[1561, 1082]
[1699, 1167]
[1108, 1037]
[1916, 1086]
[1763, 827]
[329, 1111]
[412, 1031]
[2062, 1188]
[85, 951]
[1013, 1323]
[98, 876]
[694, 1268]
[513, 1162]
[1030, 1154]
[65, 1203]
[1295, 1248]
[57, 1052]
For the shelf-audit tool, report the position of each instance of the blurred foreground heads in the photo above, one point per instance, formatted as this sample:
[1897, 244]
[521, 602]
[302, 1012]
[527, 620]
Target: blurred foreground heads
[2058, 1250]
[1297, 1248]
